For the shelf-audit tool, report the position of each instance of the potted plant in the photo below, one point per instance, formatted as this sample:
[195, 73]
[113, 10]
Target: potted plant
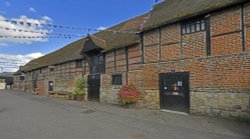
[71, 96]
[129, 95]
[79, 91]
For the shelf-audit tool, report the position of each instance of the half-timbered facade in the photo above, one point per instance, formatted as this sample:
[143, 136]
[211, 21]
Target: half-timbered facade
[186, 56]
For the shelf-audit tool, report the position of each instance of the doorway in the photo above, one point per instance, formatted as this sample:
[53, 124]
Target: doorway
[174, 91]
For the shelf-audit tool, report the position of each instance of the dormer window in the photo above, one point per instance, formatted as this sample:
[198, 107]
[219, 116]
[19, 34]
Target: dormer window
[193, 26]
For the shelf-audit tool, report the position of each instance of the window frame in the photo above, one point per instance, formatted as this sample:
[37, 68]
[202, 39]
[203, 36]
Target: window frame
[96, 64]
[79, 63]
[193, 26]
[51, 69]
[116, 81]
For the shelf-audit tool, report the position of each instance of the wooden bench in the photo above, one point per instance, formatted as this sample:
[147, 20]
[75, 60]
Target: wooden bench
[35, 91]
[59, 94]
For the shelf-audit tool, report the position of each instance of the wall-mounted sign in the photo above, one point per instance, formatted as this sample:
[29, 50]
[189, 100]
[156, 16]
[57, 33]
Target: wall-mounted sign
[175, 93]
[179, 83]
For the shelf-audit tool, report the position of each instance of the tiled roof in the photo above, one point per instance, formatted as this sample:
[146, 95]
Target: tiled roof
[171, 11]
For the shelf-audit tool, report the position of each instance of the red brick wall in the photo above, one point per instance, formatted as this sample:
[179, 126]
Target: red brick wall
[171, 42]
[135, 77]
[150, 76]
[247, 22]
[151, 46]
[110, 64]
[120, 58]
[41, 88]
[226, 70]
[222, 72]
[230, 71]
[63, 76]
[194, 44]
[226, 21]
[134, 57]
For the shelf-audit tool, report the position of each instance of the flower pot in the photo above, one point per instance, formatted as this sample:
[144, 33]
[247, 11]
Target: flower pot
[79, 97]
[128, 106]
[71, 97]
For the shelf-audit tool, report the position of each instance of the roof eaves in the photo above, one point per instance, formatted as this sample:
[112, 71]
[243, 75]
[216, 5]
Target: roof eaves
[189, 16]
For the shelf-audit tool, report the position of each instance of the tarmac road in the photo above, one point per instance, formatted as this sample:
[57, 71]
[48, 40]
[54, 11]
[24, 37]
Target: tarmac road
[26, 116]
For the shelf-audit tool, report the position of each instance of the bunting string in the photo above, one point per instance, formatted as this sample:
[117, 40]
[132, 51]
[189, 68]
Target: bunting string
[36, 37]
[10, 63]
[148, 15]
[38, 32]
[9, 59]
[25, 23]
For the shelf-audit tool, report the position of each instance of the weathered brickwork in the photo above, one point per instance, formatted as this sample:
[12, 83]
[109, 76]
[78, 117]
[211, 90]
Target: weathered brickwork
[151, 99]
[120, 58]
[170, 42]
[151, 46]
[62, 75]
[223, 104]
[247, 26]
[150, 76]
[222, 76]
[226, 32]
[227, 44]
[108, 91]
[134, 57]
[151, 54]
[218, 82]
[110, 64]
[194, 45]
[116, 63]
[226, 21]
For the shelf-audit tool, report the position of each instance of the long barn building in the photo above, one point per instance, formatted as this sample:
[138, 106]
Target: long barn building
[187, 56]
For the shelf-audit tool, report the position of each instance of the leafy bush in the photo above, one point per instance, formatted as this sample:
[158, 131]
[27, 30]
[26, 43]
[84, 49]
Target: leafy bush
[242, 119]
[80, 85]
[129, 94]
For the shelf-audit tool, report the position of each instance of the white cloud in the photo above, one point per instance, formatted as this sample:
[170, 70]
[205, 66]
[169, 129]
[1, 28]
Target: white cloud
[11, 63]
[4, 32]
[3, 44]
[7, 4]
[31, 9]
[47, 18]
[102, 28]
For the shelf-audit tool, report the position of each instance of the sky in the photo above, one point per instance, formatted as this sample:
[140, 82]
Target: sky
[76, 13]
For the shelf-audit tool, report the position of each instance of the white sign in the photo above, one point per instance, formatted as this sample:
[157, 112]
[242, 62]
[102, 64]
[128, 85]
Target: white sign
[179, 83]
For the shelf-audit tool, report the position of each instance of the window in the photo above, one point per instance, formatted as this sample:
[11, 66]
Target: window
[41, 70]
[79, 64]
[96, 64]
[101, 60]
[22, 76]
[51, 84]
[193, 26]
[117, 79]
[51, 69]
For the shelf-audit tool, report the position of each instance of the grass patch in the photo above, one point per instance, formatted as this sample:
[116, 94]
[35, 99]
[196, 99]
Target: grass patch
[242, 119]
